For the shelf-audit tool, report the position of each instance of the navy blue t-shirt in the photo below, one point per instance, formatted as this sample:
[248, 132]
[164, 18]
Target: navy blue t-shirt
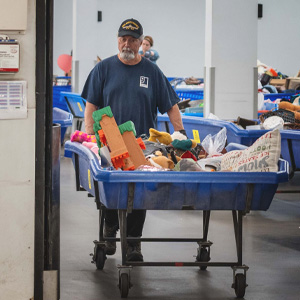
[133, 92]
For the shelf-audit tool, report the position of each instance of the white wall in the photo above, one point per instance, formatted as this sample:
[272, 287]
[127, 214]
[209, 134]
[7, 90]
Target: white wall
[178, 30]
[278, 35]
[17, 180]
[62, 33]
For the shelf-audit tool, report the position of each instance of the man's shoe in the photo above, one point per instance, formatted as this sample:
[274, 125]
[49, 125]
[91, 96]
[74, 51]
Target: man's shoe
[134, 252]
[110, 246]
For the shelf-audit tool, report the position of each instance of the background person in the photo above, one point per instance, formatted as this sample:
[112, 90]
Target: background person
[147, 51]
[134, 88]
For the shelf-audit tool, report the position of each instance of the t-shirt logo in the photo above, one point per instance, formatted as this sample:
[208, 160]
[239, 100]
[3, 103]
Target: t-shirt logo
[144, 81]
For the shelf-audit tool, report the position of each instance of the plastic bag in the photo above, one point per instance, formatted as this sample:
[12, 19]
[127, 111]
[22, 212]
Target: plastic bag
[214, 145]
[213, 117]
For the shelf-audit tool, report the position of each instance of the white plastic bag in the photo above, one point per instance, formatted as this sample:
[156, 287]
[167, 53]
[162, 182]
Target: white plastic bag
[213, 145]
[213, 117]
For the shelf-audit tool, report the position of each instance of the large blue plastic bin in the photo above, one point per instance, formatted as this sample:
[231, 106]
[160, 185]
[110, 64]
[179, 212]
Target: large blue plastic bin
[274, 96]
[75, 103]
[171, 190]
[195, 93]
[201, 127]
[63, 118]
[57, 89]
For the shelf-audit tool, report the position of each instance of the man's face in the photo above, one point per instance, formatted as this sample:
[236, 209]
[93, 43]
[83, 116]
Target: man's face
[128, 47]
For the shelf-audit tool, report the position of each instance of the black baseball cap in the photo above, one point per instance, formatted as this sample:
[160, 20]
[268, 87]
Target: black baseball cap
[131, 27]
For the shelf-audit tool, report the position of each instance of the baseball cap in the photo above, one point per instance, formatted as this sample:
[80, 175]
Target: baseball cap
[131, 27]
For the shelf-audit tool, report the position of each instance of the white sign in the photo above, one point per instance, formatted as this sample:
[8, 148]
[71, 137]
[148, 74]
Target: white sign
[13, 100]
[9, 57]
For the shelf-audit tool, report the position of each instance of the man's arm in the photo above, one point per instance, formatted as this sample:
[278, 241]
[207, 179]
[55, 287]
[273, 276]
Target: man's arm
[88, 117]
[175, 118]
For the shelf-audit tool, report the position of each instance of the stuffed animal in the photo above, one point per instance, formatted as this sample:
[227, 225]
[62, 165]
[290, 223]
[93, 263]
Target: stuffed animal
[184, 144]
[159, 136]
[79, 136]
[93, 146]
[288, 106]
[162, 161]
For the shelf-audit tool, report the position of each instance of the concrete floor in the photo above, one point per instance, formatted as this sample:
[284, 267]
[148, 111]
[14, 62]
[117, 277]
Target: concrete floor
[271, 248]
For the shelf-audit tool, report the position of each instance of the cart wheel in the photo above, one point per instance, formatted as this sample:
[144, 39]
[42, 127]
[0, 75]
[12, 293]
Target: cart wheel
[203, 256]
[100, 258]
[240, 285]
[124, 285]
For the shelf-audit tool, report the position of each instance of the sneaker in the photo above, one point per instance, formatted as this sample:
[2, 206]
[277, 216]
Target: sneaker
[134, 252]
[110, 246]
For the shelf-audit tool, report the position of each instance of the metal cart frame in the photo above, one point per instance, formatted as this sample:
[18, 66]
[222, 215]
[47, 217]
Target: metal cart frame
[203, 252]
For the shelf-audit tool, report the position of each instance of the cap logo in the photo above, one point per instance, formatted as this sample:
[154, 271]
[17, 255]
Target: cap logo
[130, 25]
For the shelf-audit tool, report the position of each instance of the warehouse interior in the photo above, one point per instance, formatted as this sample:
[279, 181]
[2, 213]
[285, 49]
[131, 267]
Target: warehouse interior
[33, 266]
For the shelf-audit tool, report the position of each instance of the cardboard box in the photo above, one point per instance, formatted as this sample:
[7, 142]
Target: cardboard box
[278, 82]
[292, 83]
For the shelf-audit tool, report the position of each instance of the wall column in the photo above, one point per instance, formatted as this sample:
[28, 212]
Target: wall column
[230, 58]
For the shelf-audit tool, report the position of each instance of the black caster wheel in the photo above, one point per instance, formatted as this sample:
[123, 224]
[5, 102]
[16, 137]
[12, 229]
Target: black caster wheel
[100, 258]
[203, 256]
[240, 285]
[124, 285]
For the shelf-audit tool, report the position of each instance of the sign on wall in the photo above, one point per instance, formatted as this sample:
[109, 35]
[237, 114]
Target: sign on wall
[9, 57]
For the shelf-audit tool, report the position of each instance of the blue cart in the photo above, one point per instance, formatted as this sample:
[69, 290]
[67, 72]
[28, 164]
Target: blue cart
[205, 191]
[198, 128]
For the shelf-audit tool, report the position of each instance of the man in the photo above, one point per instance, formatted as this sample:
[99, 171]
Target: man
[134, 88]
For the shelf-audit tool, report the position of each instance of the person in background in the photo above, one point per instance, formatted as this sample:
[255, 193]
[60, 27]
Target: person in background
[147, 51]
[135, 89]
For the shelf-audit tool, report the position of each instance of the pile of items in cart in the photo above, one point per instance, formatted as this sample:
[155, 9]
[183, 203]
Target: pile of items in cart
[274, 81]
[117, 148]
[285, 116]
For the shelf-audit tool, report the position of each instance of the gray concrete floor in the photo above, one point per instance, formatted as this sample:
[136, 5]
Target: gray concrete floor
[271, 248]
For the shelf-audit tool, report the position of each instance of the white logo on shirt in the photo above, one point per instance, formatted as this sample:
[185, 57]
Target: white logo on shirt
[144, 81]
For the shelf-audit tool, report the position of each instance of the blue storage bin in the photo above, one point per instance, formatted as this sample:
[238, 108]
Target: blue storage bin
[63, 118]
[270, 106]
[171, 190]
[199, 128]
[75, 103]
[190, 110]
[290, 145]
[274, 96]
[184, 94]
[193, 114]
[57, 89]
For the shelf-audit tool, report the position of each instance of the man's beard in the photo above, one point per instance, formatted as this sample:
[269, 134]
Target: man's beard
[127, 54]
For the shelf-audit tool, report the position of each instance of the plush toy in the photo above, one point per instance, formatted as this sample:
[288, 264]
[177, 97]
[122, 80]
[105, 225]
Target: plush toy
[189, 154]
[93, 146]
[288, 106]
[184, 144]
[188, 165]
[162, 161]
[170, 155]
[159, 136]
[79, 136]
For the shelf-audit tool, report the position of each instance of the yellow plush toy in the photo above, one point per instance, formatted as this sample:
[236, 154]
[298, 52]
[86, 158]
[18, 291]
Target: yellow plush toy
[159, 136]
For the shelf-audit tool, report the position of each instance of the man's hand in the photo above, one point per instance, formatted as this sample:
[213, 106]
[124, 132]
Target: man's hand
[88, 117]
[182, 131]
[175, 118]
